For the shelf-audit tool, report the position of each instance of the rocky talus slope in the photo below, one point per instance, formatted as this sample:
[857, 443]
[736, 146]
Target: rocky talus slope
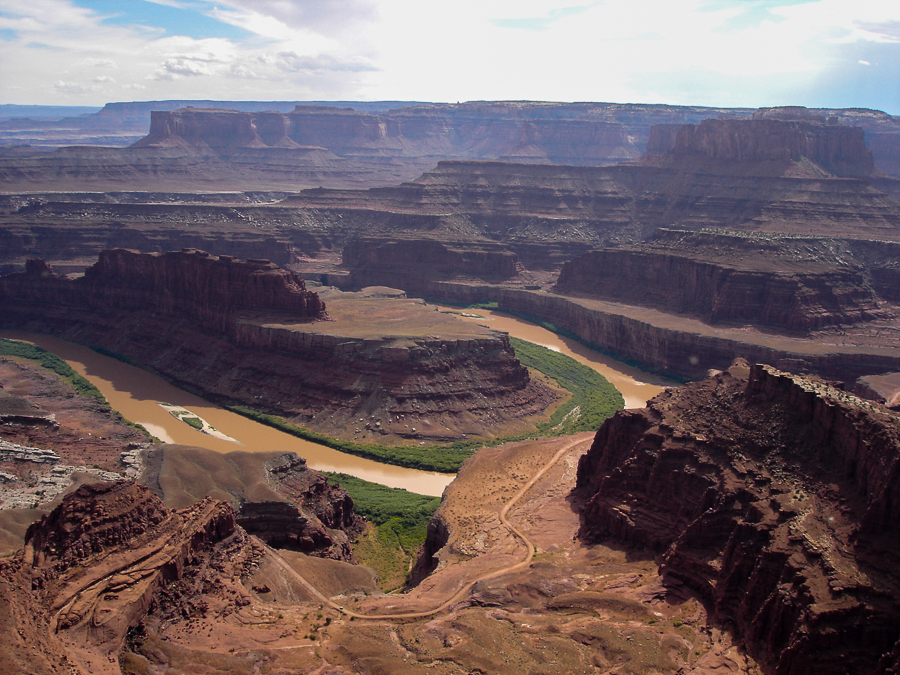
[98, 562]
[275, 495]
[772, 496]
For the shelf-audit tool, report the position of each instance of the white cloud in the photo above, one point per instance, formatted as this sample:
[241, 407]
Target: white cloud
[292, 62]
[727, 52]
[72, 87]
[323, 17]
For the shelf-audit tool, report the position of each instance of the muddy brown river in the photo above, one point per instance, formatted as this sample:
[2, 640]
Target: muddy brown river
[136, 394]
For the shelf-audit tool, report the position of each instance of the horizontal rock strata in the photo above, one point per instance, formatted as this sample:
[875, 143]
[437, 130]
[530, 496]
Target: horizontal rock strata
[789, 284]
[342, 144]
[96, 564]
[237, 340]
[774, 497]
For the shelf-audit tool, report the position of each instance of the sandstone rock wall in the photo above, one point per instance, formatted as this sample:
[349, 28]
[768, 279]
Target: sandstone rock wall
[194, 283]
[683, 352]
[253, 357]
[718, 292]
[774, 498]
[468, 130]
[838, 148]
[427, 258]
[190, 283]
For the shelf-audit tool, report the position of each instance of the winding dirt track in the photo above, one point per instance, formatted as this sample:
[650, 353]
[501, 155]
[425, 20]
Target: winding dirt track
[458, 595]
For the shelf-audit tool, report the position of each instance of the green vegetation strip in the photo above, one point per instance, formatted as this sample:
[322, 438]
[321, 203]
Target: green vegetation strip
[192, 421]
[399, 514]
[593, 400]
[53, 363]
[446, 458]
[400, 523]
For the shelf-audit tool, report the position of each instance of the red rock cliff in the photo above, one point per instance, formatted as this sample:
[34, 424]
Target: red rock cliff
[839, 149]
[183, 315]
[93, 567]
[216, 130]
[194, 283]
[788, 284]
[775, 497]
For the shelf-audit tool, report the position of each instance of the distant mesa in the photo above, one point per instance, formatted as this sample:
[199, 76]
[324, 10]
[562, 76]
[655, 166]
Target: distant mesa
[776, 135]
[277, 146]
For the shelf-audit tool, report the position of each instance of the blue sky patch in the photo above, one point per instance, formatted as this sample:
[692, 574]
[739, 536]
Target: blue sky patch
[189, 20]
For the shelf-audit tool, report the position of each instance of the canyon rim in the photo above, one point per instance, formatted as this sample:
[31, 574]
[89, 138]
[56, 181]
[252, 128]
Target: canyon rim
[744, 522]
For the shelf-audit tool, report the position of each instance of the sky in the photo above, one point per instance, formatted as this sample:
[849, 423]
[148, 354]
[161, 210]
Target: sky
[729, 53]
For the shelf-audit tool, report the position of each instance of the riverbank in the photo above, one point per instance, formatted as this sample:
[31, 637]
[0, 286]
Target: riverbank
[134, 393]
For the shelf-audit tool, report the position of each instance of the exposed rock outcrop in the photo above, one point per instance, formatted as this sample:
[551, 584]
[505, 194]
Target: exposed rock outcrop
[97, 563]
[264, 353]
[317, 518]
[687, 348]
[218, 131]
[772, 496]
[838, 148]
[210, 290]
[195, 284]
[379, 258]
[784, 283]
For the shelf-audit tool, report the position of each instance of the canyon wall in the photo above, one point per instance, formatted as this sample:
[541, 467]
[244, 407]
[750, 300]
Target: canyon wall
[542, 213]
[690, 350]
[720, 290]
[558, 133]
[378, 143]
[188, 284]
[195, 284]
[380, 257]
[259, 354]
[839, 149]
[772, 496]
[676, 346]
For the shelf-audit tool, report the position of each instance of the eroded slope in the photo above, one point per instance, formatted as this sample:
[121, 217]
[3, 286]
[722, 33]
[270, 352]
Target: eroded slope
[773, 497]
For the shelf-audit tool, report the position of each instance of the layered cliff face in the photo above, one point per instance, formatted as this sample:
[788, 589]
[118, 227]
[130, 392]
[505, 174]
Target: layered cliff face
[237, 340]
[747, 175]
[98, 562]
[188, 284]
[76, 228]
[216, 130]
[379, 260]
[837, 148]
[317, 518]
[348, 144]
[772, 496]
[789, 284]
[194, 283]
